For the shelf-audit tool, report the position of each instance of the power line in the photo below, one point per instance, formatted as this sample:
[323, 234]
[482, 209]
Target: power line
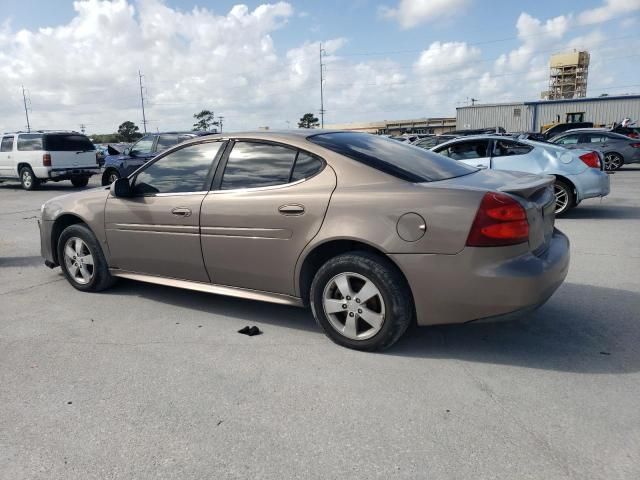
[24, 99]
[144, 118]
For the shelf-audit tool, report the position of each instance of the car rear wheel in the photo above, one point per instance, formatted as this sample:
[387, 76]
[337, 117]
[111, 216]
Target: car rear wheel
[564, 197]
[361, 301]
[109, 177]
[82, 260]
[28, 179]
[613, 161]
[80, 181]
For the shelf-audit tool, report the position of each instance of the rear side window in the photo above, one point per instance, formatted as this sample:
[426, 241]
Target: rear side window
[7, 144]
[507, 148]
[401, 160]
[466, 150]
[67, 142]
[306, 166]
[252, 165]
[30, 142]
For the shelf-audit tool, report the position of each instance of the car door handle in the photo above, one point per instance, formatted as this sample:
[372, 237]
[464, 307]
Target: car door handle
[291, 209]
[481, 166]
[181, 212]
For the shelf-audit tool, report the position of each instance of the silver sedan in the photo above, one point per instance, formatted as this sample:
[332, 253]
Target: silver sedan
[578, 173]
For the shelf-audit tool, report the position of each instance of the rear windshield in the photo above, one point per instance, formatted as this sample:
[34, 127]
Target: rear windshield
[67, 142]
[401, 160]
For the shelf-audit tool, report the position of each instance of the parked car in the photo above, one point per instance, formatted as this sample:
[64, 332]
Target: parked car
[578, 173]
[369, 232]
[121, 164]
[431, 142]
[558, 128]
[631, 132]
[38, 157]
[617, 149]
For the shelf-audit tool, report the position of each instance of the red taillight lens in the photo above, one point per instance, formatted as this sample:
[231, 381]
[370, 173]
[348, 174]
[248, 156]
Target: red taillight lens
[635, 145]
[591, 159]
[500, 221]
[46, 160]
[633, 135]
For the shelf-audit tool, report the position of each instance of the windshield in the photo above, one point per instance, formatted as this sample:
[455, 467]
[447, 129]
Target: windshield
[401, 160]
[67, 142]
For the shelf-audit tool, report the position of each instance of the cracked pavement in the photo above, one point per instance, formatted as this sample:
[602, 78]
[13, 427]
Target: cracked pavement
[145, 381]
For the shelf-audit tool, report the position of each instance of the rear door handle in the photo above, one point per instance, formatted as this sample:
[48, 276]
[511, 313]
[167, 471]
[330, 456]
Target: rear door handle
[181, 212]
[291, 209]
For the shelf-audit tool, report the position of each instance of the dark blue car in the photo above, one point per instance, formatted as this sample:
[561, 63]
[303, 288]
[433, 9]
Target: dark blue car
[119, 165]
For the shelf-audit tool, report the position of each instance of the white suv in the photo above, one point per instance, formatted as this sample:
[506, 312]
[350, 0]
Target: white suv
[47, 156]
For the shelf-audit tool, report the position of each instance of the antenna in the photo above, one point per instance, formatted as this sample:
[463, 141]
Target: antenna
[144, 118]
[322, 110]
[24, 99]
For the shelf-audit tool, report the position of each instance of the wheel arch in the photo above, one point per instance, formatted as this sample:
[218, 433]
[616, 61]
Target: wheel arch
[322, 252]
[21, 165]
[60, 223]
[574, 189]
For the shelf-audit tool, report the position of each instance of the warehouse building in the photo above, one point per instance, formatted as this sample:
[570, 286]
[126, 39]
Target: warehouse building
[532, 116]
[398, 127]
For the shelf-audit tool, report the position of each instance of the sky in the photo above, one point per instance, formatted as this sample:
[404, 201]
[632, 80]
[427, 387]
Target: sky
[257, 64]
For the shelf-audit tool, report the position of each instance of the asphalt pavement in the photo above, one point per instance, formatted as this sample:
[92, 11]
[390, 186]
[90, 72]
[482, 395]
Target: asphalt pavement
[149, 382]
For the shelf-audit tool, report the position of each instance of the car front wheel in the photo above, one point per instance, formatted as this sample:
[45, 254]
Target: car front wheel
[361, 301]
[82, 260]
[109, 177]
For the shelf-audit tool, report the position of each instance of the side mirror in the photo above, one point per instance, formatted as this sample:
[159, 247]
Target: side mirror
[121, 188]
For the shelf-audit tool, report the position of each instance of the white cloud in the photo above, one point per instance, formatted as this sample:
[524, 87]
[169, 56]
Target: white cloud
[447, 57]
[411, 13]
[609, 10]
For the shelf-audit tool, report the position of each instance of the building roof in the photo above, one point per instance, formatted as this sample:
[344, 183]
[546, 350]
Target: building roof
[564, 100]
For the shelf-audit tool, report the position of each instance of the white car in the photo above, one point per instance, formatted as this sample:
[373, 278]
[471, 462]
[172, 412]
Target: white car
[579, 173]
[47, 156]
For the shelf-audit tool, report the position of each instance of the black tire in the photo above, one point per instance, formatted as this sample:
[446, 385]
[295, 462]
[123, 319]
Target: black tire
[565, 199]
[391, 284]
[80, 182]
[101, 279]
[28, 180]
[109, 176]
[613, 161]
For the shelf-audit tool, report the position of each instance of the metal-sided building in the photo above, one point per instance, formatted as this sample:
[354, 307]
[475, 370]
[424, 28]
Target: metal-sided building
[531, 116]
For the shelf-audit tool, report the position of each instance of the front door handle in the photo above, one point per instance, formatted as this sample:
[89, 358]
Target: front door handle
[181, 212]
[293, 209]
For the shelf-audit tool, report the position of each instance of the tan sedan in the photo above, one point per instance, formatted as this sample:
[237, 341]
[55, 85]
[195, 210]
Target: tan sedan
[369, 232]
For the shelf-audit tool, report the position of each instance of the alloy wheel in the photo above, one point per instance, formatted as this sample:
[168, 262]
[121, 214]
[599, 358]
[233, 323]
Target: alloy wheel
[78, 260]
[354, 306]
[562, 198]
[612, 161]
[27, 179]
[113, 177]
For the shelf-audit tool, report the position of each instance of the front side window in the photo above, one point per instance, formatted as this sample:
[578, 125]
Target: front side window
[185, 170]
[507, 148]
[30, 142]
[466, 150]
[142, 147]
[7, 144]
[404, 161]
[252, 165]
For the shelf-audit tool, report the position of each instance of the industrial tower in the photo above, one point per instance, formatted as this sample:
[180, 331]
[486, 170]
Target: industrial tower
[568, 76]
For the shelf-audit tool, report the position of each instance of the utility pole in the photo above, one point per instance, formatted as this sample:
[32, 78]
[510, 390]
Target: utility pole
[144, 118]
[26, 112]
[288, 124]
[322, 52]
[473, 101]
[83, 127]
[220, 123]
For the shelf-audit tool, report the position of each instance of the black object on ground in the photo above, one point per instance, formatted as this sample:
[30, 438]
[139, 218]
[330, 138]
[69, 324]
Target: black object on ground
[250, 331]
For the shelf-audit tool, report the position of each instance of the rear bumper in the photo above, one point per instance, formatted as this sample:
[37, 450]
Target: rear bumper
[591, 183]
[480, 283]
[66, 173]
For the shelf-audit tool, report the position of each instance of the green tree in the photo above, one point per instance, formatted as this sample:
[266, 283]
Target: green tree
[205, 120]
[308, 120]
[129, 132]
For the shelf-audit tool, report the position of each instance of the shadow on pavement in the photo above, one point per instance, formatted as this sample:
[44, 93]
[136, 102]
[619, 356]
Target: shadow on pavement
[583, 329]
[243, 310]
[21, 261]
[603, 212]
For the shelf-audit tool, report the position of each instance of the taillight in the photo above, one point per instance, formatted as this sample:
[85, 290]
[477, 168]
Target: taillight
[633, 135]
[635, 145]
[46, 160]
[591, 159]
[500, 221]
